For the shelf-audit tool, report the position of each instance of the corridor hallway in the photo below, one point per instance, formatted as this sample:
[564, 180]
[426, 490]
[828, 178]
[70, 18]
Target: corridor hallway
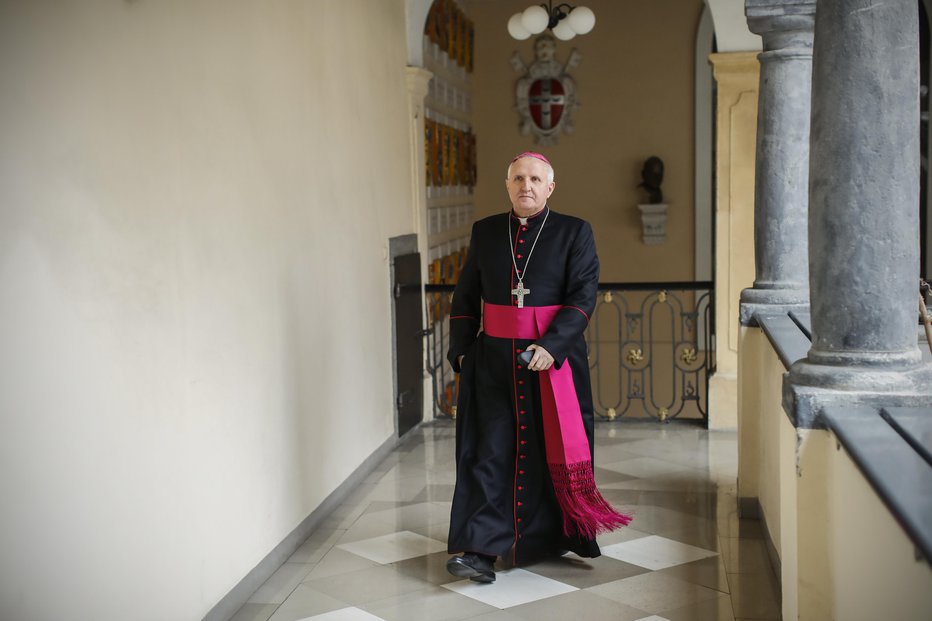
[686, 556]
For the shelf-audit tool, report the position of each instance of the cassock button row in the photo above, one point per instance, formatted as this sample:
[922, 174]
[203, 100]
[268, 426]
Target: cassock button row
[523, 427]
[523, 412]
[523, 228]
[519, 256]
[521, 396]
[520, 488]
[520, 381]
[520, 504]
[523, 442]
[519, 519]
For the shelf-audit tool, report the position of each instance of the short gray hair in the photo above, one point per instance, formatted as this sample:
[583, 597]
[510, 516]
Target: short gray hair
[549, 168]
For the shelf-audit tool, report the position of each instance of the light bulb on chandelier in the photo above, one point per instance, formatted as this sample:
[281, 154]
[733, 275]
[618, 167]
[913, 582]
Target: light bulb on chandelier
[564, 20]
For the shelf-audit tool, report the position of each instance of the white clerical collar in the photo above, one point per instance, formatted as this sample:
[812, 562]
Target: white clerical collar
[524, 220]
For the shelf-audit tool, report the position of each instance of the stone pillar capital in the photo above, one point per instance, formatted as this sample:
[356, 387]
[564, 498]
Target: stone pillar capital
[778, 9]
[736, 67]
[417, 79]
[782, 24]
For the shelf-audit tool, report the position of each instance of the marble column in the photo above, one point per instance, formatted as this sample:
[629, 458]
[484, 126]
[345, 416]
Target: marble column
[781, 194]
[863, 213]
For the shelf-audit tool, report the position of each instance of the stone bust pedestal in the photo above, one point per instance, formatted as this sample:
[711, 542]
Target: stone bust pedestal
[654, 223]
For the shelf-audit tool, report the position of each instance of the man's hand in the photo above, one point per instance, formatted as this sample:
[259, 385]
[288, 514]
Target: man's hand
[542, 359]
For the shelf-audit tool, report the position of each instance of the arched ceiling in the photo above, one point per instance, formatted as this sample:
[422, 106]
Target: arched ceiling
[416, 17]
[731, 27]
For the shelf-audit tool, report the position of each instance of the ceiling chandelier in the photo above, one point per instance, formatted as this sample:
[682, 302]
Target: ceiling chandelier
[564, 20]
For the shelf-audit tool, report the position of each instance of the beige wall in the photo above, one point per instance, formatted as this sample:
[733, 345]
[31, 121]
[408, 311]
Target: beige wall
[186, 190]
[900, 585]
[635, 84]
[767, 454]
[842, 553]
[752, 345]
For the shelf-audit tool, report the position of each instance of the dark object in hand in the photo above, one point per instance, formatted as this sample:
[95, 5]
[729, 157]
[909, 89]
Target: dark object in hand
[525, 357]
[652, 176]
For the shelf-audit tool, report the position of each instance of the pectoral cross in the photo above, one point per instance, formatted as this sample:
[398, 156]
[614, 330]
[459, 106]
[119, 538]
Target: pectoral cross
[520, 292]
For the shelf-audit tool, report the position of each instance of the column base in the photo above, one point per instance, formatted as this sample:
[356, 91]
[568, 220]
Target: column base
[771, 301]
[808, 388]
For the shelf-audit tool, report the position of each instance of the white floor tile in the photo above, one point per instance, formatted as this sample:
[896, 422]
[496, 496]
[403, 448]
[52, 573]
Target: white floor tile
[346, 614]
[654, 552]
[431, 604]
[394, 547]
[511, 588]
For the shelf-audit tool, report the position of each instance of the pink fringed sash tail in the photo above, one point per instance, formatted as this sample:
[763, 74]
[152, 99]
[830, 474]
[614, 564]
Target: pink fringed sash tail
[585, 511]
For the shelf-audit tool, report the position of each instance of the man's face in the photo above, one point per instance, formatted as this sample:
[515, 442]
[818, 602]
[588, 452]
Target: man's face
[527, 186]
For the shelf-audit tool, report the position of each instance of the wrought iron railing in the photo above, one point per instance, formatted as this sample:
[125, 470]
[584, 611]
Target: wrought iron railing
[651, 350]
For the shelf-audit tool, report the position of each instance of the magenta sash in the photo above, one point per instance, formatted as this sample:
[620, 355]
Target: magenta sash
[584, 509]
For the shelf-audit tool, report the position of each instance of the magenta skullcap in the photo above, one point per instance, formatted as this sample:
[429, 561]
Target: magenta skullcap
[537, 156]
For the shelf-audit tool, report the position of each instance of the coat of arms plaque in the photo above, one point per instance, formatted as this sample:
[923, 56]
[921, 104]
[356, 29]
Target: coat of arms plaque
[546, 94]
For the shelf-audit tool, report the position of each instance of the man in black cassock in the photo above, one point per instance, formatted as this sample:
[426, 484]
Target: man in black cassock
[517, 421]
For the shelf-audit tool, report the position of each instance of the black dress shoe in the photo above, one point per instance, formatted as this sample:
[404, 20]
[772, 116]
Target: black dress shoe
[472, 566]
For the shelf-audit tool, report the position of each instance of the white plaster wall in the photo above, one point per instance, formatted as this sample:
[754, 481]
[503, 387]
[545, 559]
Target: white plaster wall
[194, 196]
[415, 19]
[731, 27]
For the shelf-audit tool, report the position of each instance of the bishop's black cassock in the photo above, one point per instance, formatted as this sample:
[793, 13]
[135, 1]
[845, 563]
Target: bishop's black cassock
[504, 503]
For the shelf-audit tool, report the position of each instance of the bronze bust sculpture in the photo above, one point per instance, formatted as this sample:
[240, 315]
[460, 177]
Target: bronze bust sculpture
[652, 177]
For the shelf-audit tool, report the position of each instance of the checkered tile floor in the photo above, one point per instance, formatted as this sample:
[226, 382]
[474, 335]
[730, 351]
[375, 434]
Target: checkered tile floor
[381, 556]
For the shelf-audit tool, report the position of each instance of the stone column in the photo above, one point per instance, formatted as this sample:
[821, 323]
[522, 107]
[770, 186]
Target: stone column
[781, 195]
[863, 213]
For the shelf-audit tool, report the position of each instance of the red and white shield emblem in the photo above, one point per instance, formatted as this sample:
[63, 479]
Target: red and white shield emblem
[545, 96]
[546, 100]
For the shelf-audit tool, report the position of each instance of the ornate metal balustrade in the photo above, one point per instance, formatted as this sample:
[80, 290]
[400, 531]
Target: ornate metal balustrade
[651, 350]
